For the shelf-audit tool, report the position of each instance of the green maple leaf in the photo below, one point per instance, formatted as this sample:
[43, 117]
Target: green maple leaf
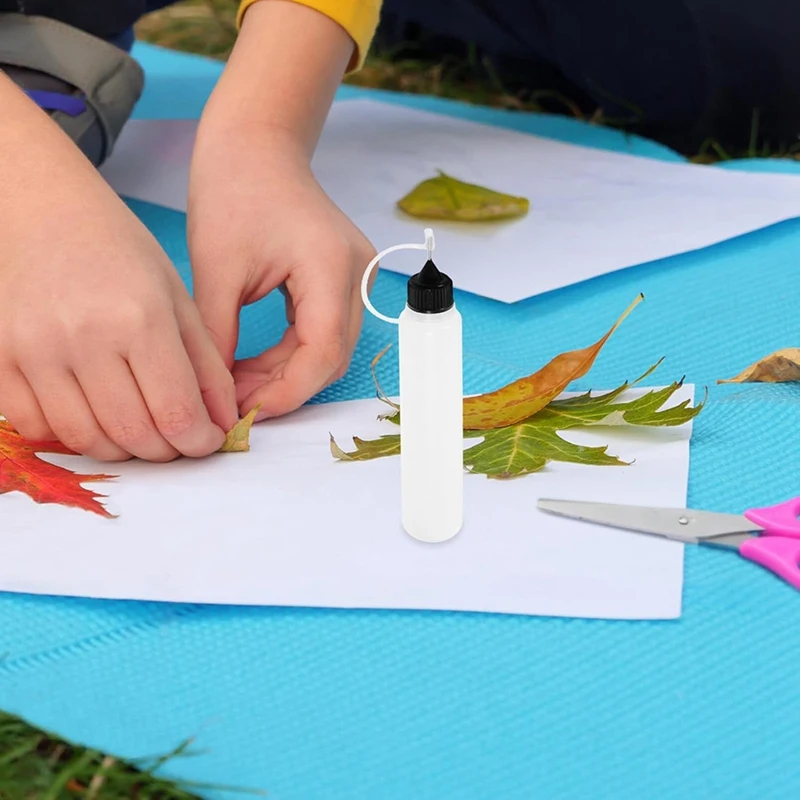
[529, 445]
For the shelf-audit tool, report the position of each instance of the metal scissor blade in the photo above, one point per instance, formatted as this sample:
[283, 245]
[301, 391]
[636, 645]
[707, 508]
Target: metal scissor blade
[684, 525]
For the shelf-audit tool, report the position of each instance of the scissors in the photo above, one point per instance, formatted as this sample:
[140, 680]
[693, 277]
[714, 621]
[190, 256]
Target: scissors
[767, 536]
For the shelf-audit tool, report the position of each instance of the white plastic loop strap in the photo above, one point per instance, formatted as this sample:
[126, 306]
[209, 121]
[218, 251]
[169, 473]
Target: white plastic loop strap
[430, 243]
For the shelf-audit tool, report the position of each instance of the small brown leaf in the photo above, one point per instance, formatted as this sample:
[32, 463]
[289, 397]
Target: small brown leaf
[782, 366]
[524, 397]
[378, 390]
[444, 197]
[367, 450]
[238, 438]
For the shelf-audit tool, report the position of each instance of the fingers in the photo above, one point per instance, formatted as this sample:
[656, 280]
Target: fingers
[18, 404]
[214, 378]
[119, 408]
[169, 386]
[312, 354]
[70, 417]
[252, 373]
[107, 412]
[149, 403]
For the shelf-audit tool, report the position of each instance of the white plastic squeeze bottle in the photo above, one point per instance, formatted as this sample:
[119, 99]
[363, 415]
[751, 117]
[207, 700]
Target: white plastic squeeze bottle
[431, 402]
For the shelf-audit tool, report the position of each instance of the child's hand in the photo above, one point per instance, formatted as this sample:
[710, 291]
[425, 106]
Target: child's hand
[257, 218]
[101, 346]
[259, 221]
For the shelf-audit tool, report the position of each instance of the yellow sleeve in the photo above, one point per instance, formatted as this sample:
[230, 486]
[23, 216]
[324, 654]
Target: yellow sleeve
[358, 17]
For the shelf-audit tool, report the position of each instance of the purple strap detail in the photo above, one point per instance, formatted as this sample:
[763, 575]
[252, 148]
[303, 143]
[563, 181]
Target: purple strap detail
[55, 101]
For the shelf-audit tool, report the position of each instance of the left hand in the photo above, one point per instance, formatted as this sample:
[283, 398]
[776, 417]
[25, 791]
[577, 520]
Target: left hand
[258, 220]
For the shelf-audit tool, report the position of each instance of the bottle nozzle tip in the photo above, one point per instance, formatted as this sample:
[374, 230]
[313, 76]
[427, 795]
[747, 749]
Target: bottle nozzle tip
[430, 242]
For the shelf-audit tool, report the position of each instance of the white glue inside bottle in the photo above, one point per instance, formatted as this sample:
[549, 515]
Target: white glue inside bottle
[431, 401]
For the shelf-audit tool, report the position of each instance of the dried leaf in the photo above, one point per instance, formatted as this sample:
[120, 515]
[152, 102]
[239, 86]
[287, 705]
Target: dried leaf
[589, 410]
[21, 470]
[367, 450]
[782, 366]
[238, 437]
[527, 447]
[524, 397]
[378, 390]
[530, 444]
[444, 197]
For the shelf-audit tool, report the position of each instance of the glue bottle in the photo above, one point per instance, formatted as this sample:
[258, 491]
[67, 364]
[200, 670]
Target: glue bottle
[431, 400]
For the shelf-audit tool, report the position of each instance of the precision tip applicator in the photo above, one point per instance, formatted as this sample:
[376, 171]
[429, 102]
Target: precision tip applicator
[431, 400]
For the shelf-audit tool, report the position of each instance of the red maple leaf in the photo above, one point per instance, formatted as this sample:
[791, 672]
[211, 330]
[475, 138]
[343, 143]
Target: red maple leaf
[21, 470]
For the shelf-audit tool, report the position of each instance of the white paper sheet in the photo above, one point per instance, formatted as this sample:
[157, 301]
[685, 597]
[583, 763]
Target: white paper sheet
[592, 211]
[285, 524]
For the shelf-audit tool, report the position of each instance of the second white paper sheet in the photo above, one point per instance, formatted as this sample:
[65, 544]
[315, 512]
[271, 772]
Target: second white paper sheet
[285, 524]
[592, 211]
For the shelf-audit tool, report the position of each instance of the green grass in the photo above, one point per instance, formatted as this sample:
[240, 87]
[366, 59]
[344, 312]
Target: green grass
[38, 765]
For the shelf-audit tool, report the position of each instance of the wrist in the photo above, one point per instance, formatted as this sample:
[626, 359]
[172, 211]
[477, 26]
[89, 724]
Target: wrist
[252, 168]
[283, 72]
[42, 174]
[232, 150]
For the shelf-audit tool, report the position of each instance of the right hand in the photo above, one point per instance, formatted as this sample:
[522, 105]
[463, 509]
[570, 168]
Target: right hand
[101, 346]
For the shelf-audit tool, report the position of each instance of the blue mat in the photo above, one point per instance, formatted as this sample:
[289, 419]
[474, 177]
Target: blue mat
[337, 705]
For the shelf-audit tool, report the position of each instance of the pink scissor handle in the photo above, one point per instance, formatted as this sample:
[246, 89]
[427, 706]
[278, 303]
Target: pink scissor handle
[777, 554]
[780, 520]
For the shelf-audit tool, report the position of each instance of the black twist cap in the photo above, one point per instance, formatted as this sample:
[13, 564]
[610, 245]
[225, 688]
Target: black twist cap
[430, 291]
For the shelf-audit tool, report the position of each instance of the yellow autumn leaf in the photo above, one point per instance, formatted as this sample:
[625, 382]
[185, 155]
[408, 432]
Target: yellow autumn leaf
[524, 397]
[444, 197]
[238, 438]
[782, 366]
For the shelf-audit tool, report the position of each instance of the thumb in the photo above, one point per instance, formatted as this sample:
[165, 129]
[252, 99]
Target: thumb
[219, 311]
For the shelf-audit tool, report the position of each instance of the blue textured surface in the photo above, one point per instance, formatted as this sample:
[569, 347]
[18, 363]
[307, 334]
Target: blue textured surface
[339, 705]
